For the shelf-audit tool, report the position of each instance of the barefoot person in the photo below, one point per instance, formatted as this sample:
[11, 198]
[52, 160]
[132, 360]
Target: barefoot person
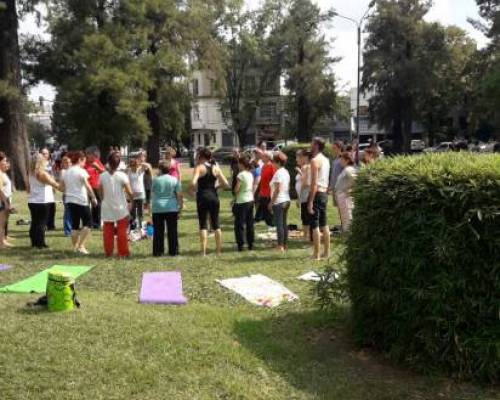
[40, 199]
[77, 191]
[280, 199]
[318, 199]
[205, 177]
[114, 190]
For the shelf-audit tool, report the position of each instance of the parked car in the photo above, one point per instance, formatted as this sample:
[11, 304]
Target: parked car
[223, 154]
[417, 145]
[440, 148]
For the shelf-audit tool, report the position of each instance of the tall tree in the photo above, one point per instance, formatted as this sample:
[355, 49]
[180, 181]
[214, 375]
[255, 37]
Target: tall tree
[13, 134]
[400, 65]
[120, 68]
[253, 61]
[307, 66]
[449, 98]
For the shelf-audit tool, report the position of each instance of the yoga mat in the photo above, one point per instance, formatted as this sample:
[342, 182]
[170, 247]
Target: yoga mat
[4, 267]
[259, 290]
[162, 288]
[38, 282]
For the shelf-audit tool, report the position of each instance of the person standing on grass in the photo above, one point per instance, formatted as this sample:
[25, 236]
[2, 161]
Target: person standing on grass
[65, 165]
[136, 174]
[147, 179]
[343, 189]
[174, 165]
[166, 203]
[318, 199]
[41, 196]
[267, 173]
[95, 168]
[303, 187]
[205, 177]
[114, 187]
[77, 191]
[7, 191]
[280, 199]
[243, 205]
[51, 218]
[336, 170]
[235, 168]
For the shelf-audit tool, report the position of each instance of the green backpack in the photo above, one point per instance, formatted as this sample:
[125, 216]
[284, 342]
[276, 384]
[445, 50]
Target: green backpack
[61, 295]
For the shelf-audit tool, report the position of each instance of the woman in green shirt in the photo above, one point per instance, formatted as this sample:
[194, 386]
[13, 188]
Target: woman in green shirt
[243, 205]
[166, 204]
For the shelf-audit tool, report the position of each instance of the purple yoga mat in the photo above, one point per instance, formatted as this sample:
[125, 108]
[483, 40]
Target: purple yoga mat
[4, 267]
[162, 288]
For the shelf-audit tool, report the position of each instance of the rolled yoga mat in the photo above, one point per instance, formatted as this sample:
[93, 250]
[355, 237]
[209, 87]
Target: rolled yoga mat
[38, 282]
[162, 288]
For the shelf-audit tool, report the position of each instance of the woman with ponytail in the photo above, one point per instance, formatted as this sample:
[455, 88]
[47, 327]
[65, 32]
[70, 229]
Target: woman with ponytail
[206, 175]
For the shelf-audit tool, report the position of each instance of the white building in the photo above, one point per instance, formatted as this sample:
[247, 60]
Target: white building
[209, 127]
[43, 115]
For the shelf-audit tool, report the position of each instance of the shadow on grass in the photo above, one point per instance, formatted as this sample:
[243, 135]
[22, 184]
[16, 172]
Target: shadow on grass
[304, 348]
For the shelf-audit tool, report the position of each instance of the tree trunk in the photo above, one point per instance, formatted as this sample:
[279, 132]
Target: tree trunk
[153, 146]
[13, 134]
[303, 134]
[397, 133]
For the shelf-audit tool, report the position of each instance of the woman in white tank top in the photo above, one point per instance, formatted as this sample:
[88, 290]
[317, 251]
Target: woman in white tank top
[41, 195]
[4, 201]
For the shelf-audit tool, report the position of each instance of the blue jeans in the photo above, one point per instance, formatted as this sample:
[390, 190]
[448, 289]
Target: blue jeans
[67, 221]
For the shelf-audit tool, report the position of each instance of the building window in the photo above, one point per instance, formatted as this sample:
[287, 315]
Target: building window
[196, 88]
[196, 113]
[268, 110]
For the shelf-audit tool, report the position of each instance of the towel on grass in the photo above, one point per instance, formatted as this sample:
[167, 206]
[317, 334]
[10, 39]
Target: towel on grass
[162, 288]
[38, 282]
[259, 290]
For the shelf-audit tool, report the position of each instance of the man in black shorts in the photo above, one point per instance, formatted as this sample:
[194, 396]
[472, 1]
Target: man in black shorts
[318, 199]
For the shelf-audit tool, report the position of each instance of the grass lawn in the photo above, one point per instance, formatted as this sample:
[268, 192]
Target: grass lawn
[217, 347]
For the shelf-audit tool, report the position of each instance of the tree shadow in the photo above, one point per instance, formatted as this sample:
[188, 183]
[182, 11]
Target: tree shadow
[315, 354]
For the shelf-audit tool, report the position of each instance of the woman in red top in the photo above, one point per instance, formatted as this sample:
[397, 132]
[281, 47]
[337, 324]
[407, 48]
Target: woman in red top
[268, 171]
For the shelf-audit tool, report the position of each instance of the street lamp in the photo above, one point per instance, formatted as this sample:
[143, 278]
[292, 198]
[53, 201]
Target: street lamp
[359, 26]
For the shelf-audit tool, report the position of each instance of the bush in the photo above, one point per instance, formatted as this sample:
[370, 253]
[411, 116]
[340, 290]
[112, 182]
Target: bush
[291, 151]
[423, 262]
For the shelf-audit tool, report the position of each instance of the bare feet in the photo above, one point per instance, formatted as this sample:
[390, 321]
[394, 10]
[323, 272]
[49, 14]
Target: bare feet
[83, 250]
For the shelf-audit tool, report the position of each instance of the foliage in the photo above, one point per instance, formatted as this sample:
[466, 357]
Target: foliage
[120, 67]
[253, 62]
[308, 67]
[423, 262]
[402, 61]
[452, 86]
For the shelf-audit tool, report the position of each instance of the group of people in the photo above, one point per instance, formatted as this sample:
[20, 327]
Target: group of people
[113, 196]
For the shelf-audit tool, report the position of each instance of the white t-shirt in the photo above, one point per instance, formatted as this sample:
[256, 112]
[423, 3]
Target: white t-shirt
[75, 191]
[114, 204]
[137, 183]
[281, 177]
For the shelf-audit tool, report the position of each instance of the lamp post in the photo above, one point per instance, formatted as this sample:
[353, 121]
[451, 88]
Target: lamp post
[359, 26]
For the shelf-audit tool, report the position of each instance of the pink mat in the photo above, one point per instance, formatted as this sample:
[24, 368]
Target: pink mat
[162, 288]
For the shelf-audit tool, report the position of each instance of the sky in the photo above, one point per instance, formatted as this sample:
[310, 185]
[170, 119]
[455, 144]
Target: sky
[341, 33]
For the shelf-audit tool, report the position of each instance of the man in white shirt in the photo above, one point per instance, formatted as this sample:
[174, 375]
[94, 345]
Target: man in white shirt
[318, 199]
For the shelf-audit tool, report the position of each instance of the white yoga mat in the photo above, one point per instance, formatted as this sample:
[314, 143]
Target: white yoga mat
[259, 290]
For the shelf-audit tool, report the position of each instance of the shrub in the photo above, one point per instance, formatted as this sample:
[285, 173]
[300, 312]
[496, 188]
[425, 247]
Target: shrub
[291, 151]
[423, 262]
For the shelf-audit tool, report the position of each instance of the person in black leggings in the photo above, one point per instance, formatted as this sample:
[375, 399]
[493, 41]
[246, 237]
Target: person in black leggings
[206, 175]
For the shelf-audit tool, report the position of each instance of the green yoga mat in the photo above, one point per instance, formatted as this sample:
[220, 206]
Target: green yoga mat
[38, 283]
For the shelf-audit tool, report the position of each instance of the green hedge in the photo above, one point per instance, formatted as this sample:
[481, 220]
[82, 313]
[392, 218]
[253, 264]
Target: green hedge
[423, 262]
[291, 151]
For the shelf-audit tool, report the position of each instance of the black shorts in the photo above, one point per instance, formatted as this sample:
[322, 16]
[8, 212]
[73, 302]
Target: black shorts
[304, 215]
[79, 214]
[319, 219]
[148, 196]
[208, 207]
